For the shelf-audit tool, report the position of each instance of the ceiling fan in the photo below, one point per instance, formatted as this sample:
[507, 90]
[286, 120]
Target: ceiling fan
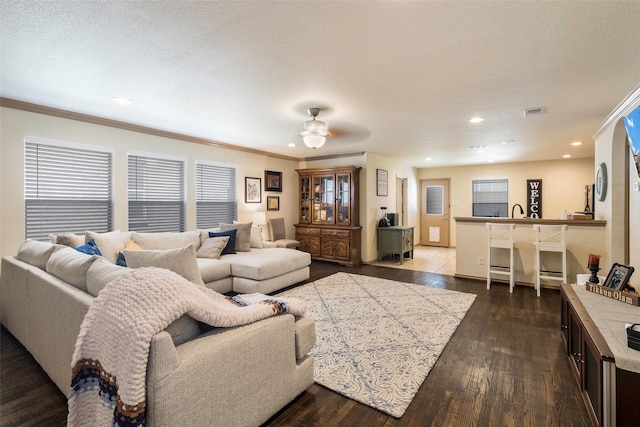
[315, 132]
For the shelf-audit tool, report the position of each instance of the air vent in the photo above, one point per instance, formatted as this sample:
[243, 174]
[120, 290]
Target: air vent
[534, 111]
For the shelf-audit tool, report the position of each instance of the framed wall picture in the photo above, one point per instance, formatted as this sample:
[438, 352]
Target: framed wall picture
[618, 276]
[273, 181]
[273, 203]
[252, 190]
[382, 182]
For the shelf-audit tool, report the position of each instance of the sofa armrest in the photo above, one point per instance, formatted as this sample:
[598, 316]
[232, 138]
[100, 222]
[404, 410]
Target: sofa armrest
[305, 336]
[236, 376]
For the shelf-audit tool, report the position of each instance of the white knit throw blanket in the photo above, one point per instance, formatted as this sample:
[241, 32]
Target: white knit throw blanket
[110, 359]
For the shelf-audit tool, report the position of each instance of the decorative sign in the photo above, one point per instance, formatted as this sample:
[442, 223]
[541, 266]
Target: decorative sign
[534, 198]
[625, 297]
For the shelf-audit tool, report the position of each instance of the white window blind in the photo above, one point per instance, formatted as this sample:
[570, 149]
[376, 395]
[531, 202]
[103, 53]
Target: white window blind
[216, 199]
[156, 194]
[66, 189]
[491, 197]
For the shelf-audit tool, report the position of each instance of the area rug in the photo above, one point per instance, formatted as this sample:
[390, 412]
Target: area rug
[377, 339]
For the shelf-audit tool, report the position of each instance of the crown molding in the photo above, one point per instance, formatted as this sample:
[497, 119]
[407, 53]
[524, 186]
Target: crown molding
[617, 113]
[334, 156]
[55, 112]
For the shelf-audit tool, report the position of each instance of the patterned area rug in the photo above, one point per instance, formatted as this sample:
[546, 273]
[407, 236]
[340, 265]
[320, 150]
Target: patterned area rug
[377, 338]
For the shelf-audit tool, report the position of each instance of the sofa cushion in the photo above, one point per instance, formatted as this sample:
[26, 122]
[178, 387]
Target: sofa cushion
[167, 240]
[256, 237]
[36, 253]
[71, 266]
[212, 247]
[111, 243]
[243, 235]
[131, 245]
[89, 248]
[67, 239]
[231, 244]
[181, 261]
[260, 264]
[213, 269]
[102, 272]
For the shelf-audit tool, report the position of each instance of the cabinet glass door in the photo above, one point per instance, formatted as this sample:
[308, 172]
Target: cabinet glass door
[305, 200]
[343, 199]
[323, 199]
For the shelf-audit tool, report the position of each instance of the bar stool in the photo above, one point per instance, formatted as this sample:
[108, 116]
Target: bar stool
[500, 236]
[550, 238]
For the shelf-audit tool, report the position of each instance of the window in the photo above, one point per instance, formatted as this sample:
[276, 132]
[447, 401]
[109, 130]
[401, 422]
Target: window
[434, 200]
[66, 189]
[156, 194]
[216, 199]
[491, 197]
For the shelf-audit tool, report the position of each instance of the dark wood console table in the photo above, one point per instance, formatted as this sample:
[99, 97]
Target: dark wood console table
[610, 393]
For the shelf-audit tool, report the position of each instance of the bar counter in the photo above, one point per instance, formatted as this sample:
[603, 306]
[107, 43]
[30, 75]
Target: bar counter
[583, 237]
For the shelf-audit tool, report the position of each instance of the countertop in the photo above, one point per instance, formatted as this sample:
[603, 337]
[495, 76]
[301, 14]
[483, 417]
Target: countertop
[528, 221]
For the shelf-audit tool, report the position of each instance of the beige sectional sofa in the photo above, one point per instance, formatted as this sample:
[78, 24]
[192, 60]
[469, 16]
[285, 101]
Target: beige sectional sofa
[237, 376]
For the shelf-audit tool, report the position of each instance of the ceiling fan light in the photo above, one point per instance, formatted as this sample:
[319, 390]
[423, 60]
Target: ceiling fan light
[315, 126]
[314, 141]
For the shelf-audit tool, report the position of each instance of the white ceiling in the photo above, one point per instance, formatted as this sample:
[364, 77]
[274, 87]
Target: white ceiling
[398, 78]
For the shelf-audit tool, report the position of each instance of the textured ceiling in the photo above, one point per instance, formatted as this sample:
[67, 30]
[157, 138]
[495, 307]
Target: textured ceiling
[397, 78]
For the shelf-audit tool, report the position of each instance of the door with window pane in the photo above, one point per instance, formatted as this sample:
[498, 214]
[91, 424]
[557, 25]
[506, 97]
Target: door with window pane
[434, 212]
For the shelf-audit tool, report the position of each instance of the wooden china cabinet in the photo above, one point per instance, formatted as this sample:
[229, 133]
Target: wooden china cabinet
[329, 219]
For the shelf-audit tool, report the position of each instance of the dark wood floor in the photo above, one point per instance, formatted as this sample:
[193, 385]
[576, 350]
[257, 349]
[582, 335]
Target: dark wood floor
[504, 366]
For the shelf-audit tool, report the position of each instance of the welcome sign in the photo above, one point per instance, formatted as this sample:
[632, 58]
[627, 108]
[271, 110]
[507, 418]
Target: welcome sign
[534, 198]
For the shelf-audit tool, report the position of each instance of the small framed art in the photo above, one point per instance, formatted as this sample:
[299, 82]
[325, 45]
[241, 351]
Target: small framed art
[273, 181]
[382, 182]
[273, 203]
[252, 190]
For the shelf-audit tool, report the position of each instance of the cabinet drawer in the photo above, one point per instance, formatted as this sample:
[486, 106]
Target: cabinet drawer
[346, 234]
[308, 231]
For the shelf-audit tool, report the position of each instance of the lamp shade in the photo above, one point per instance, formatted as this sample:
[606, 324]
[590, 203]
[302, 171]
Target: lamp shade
[259, 218]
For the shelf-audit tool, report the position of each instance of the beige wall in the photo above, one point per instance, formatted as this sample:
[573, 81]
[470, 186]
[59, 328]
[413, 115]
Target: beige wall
[563, 183]
[15, 125]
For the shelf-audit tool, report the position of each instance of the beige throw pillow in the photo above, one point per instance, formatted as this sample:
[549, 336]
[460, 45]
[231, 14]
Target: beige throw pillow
[243, 235]
[212, 247]
[111, 243]
[256, 237]
[181, 261]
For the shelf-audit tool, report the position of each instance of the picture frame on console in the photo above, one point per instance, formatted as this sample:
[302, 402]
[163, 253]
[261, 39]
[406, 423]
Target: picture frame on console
[252, 190]
[618, 276]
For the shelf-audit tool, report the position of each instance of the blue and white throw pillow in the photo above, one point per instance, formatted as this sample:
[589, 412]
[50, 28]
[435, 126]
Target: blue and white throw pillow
[89, 248]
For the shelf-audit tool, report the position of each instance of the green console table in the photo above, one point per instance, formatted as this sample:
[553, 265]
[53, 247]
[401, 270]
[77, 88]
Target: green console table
[395, 240]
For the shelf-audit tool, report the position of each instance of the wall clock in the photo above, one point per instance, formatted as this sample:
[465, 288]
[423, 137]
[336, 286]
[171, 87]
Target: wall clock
[601, 182]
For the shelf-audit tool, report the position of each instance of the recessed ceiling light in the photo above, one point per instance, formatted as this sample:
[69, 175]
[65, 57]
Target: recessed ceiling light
[508, 141]
[476, 120]
[477, 147]
[428, 159]
[121, 100]
[566, 156]
[291, 144]
[575, 143]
